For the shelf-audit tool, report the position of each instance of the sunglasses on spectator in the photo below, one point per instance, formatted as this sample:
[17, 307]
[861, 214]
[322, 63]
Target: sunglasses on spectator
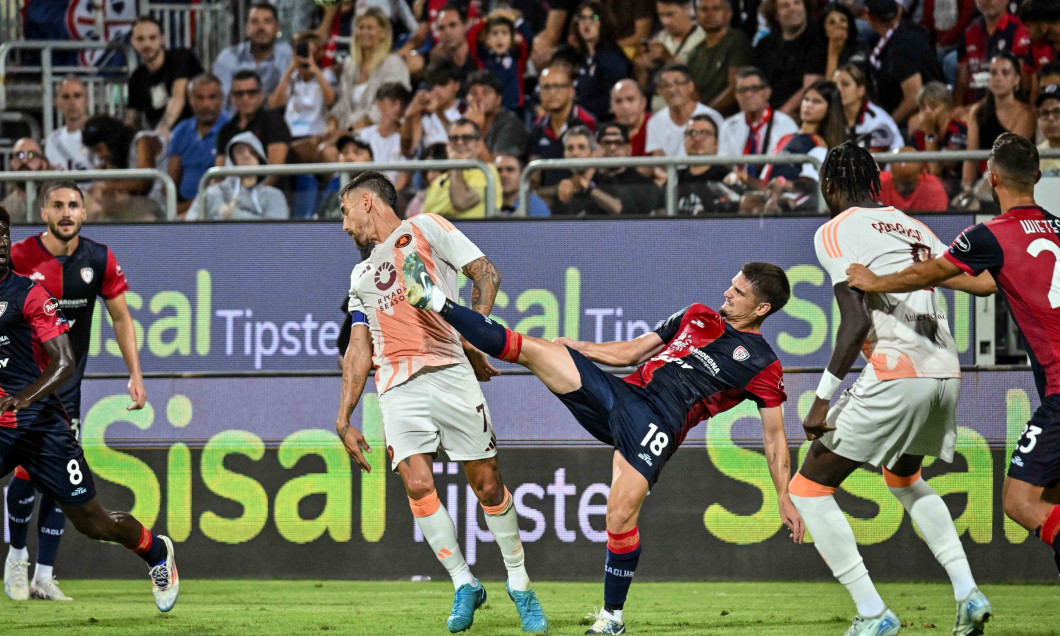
[463, 139]
[699, 133]
[1049, 114]
[28, 154]
[750, 89]
[250, 92]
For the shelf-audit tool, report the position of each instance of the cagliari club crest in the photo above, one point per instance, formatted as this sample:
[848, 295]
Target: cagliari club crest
[3, 307]
[87, 274]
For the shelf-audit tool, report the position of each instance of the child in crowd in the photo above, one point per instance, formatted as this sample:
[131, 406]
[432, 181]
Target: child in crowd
[498, 47]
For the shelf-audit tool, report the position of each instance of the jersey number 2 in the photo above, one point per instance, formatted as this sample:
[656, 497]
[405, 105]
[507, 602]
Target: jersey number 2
[1038, 246]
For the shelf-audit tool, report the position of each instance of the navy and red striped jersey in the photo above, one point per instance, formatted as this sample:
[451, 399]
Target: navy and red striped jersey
[29, 317]
[977, 48]
[1021, 250]
[75, 281]
[707, 367]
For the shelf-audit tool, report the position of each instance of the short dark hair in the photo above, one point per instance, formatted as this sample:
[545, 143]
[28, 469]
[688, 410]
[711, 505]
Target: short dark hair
[499, 20]
[5, 218]
[464, 121]
[1052, 67]
[485, 78]
[245, 74]
[453, 6]
[266, 7]
[149, 19]
[393, 90]
[751, 71]
[442, 72]
[769, 284]
[707, 118]
[64, 184]
[674, 67]
[1014, 159]
[375, 182]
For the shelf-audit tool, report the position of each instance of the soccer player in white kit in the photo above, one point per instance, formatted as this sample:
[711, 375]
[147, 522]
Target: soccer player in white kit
[426, 380]
[902, 406]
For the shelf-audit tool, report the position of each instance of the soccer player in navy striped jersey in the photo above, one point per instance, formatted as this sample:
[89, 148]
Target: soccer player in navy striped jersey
[696, 364]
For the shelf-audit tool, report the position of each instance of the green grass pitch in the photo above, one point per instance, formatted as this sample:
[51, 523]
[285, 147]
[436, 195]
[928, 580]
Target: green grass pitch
[792, 608]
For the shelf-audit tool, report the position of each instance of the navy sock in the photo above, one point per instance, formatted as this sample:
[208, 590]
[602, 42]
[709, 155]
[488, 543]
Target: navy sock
[150, 548]
[19, 510]
[623, 554]
[50, 525]
[486, 335]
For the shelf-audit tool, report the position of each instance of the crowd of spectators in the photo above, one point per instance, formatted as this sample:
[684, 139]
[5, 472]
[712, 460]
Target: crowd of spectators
[510, 81]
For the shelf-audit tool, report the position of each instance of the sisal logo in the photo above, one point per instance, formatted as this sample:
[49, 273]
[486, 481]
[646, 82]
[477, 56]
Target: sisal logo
[385, 276]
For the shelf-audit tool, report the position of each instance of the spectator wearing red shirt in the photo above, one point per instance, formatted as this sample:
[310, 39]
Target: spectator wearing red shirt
[907, 187]
[995, 31]
[630, 109]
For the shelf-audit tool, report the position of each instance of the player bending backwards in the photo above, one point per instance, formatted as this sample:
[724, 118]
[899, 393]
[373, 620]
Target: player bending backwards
[35, 432]
[1021, 249]
[75, 270]
[903, 405]
[426, 381]
[698, 363]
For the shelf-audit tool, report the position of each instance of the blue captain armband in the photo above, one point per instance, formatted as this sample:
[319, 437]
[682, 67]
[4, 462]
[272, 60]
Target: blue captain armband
[359, 318]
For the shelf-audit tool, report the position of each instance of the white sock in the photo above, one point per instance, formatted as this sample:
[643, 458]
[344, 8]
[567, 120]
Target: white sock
[932, 517]
[505, 529]
[20, 554]
[837, 546]
[440, 533]
[437, 298]
[42, 573]
[615, 614]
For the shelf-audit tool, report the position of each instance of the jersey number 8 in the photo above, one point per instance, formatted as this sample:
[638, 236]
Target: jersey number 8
[75, 472]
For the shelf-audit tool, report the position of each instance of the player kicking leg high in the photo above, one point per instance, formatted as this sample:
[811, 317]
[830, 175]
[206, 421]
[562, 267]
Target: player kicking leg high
[426, 382]
[698, 363]
[903, 405]
[34, 431]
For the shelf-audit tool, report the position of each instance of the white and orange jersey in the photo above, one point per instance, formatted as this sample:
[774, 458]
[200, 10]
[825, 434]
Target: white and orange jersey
[910, 335]
[405, 339]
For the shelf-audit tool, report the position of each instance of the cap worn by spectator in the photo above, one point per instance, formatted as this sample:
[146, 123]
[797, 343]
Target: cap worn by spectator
[357, 141]
[613, 127]
[882, 10]
[1051, 91]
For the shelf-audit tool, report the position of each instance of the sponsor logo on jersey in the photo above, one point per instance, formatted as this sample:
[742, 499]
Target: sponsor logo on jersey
[705, 359]
[699, 323]
[404, 240]
[80, 491]
[3, 363]
[3, 308]
[740, 354]
[37, 276]
[961, 243]
[51, 306]
[385, 276]
[644, 457]
[87, 274]
[4, 340]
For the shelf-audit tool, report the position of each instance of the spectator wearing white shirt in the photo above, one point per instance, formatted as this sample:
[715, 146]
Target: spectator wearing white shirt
[305, 92]
[433, 108]
[666, 128]
[63, 147]
[868, 124]
[385, 137]
[757, 128]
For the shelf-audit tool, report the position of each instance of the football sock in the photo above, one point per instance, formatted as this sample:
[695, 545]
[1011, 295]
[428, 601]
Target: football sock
[50, 524]
[438, 529]
[835, 542]
[932, 517]
[1049, 532]
[623, 554]
[487, 336]
[42, 573]
[17, 554]
[19, 510]
[504, 524]
[150, 548]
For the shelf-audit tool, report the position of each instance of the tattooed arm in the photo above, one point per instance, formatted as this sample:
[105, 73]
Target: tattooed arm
[485, 281]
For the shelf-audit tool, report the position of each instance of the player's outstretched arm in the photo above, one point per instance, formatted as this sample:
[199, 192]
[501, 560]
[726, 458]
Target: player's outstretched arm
[854, 324]
[912, 278]
[485, 282]
[981, 285]
[622, 353]
[125, 332]
[60, 368]
[355, 367]
[778, 456]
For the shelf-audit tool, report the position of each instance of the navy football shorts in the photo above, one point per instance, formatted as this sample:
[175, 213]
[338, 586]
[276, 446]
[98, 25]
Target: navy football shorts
[1036, 458]
[53, 459]
[616, 413]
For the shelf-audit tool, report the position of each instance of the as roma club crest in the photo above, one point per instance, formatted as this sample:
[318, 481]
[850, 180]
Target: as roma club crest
[87, 274]
[403, 240]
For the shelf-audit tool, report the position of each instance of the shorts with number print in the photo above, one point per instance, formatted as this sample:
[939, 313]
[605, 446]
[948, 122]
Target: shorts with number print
[1036, 458]
[53, 459]
[438, 408]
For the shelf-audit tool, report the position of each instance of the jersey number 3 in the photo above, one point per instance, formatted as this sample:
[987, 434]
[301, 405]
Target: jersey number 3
[1038, 246]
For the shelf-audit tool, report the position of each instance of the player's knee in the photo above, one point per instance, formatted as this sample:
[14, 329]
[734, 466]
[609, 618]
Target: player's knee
[621, 518]
[490, 492]
[419, 487]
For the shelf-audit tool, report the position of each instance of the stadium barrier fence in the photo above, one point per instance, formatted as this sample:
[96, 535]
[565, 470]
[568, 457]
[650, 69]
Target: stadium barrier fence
[134, 174]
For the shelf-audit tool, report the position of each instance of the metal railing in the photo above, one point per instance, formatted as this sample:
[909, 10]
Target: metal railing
[205, 28]
[670, 163]
[345, 169]
[116, 76]
[136, 174]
